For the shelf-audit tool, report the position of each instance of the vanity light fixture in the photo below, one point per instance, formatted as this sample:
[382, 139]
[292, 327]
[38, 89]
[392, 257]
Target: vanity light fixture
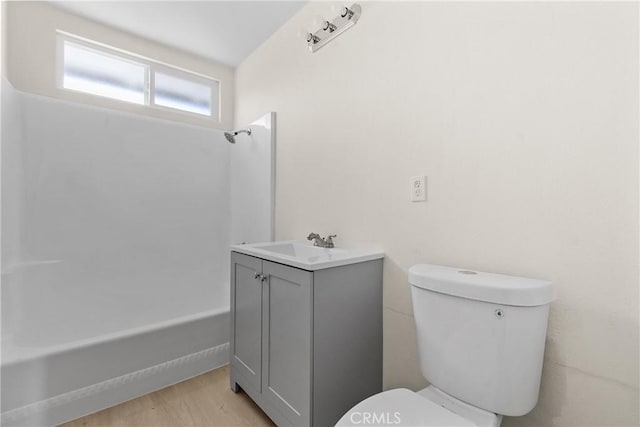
[329, 30]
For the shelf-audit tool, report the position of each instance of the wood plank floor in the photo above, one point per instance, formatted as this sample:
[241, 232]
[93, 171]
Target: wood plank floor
[205, 400]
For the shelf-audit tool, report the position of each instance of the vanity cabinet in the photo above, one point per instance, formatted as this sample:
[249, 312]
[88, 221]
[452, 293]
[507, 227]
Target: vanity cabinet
[306, 345]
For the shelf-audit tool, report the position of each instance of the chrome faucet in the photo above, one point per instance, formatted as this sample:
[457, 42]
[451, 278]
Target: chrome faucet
[321, 242]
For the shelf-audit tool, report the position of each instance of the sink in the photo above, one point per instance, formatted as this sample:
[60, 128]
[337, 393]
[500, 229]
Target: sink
[304, 255]
[301, 250]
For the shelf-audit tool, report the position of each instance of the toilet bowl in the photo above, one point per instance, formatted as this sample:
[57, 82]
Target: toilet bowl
[429, 407]
[481, 340]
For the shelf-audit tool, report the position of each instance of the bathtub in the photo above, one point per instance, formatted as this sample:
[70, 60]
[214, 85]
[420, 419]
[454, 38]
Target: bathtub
[115, 251]
[74, 343]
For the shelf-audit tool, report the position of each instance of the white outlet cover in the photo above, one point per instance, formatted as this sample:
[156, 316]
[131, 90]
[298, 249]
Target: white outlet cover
[418, 187]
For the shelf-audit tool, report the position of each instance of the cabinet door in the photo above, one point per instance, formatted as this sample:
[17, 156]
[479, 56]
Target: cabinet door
[286, 360]
[246, 319]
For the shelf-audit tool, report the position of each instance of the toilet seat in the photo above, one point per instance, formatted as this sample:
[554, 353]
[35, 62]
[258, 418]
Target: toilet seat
[401, 407]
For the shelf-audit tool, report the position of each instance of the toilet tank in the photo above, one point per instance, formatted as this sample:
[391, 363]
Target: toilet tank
[481, 336]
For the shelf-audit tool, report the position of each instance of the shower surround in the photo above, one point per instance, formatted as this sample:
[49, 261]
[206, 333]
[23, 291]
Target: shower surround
[116, 230]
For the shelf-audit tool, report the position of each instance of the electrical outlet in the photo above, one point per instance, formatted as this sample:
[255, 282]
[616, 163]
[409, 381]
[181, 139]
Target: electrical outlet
[418, 188]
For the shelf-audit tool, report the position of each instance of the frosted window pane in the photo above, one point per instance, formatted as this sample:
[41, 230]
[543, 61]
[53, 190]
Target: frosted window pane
[185, 95]
[90, 71]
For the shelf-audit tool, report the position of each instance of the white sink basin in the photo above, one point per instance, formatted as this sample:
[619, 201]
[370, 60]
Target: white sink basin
[304, 255]
[300, 249]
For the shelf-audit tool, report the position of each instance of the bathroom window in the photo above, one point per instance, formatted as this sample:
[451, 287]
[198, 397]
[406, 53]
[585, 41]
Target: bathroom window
[92, 68]
[182, 93]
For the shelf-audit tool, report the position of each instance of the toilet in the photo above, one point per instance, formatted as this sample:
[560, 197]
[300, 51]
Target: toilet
[481, 340]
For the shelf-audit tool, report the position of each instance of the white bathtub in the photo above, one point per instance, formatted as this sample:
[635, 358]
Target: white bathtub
[115, 251]
[62, 360]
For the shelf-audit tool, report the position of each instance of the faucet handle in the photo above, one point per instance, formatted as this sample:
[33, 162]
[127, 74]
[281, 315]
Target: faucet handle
[329, 240]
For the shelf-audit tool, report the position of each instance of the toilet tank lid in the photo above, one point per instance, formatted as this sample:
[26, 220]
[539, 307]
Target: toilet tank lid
[476, 285]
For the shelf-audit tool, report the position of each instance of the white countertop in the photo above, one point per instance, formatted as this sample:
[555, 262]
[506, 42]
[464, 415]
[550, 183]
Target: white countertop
[304, 255]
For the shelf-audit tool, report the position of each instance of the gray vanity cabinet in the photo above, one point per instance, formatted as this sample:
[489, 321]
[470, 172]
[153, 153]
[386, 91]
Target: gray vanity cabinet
[247, 318]
[305, 345]
[286, 337]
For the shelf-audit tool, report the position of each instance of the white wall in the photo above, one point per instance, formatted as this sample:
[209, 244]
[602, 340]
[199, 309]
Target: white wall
[31, 57]
[127, 206]
[122, 192]
[136, 205]
[524, 117]
[11, 182]
[251, 169]
[3, 39]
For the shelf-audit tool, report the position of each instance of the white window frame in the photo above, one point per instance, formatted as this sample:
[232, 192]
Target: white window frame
[151, 67]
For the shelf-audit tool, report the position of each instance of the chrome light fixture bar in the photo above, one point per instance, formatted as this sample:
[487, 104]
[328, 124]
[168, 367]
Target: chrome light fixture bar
[329, 30]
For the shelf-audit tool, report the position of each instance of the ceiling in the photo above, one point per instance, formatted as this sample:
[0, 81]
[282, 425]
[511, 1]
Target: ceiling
[224, 31]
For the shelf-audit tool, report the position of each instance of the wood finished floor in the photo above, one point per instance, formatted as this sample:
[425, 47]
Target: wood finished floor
[205, 400]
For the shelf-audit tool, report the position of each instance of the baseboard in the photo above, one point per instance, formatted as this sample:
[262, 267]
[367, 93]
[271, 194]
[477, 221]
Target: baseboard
[86, 400]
